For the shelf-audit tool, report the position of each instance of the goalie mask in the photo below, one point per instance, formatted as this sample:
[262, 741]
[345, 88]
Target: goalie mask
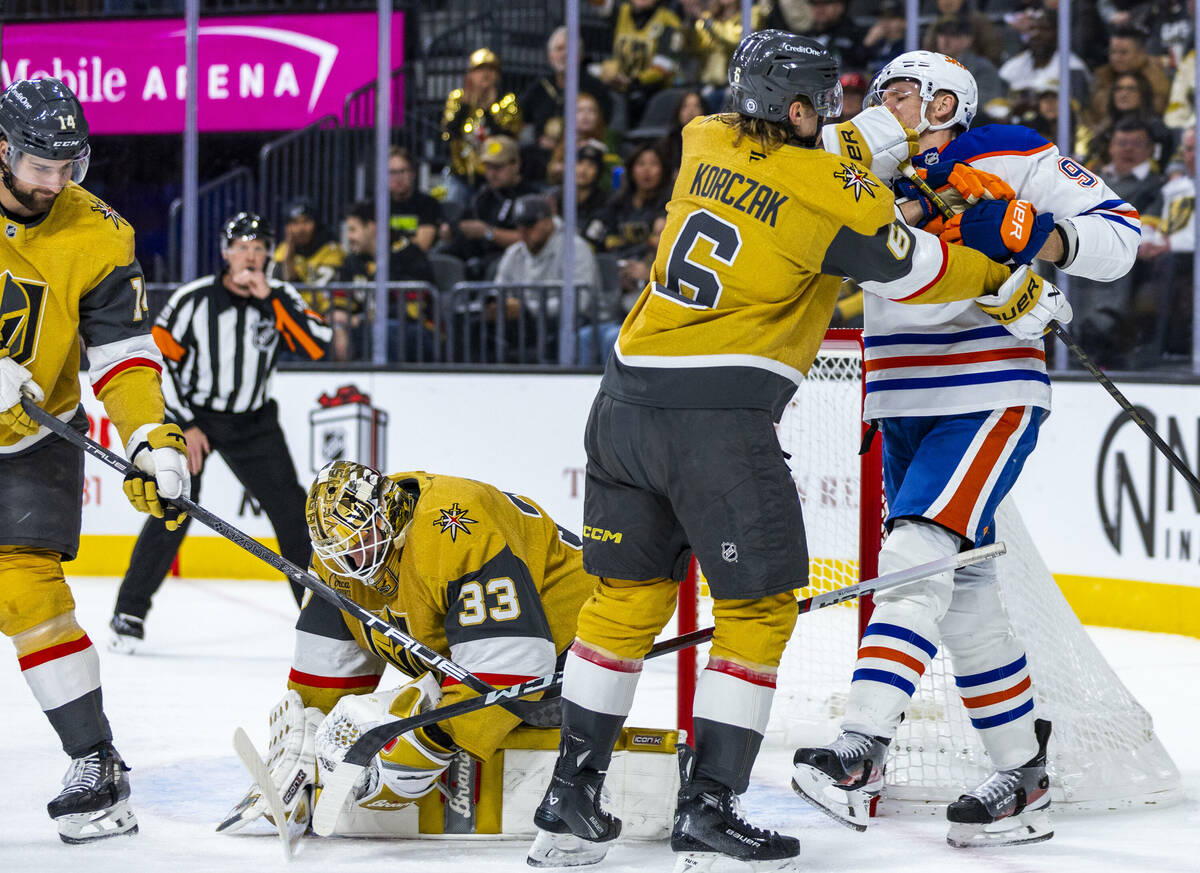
[46, 134]
[356, 516]
[932, 72]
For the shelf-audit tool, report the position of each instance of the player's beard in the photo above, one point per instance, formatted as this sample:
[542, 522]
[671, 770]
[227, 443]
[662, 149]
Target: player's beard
[38, 200]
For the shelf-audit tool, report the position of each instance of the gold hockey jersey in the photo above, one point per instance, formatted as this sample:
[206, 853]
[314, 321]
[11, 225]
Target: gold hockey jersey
[647, 52]
[748, 267]
[485, 577]
[73, 275]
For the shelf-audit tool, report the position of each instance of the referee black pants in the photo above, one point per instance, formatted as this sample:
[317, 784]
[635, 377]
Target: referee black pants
[252, 444]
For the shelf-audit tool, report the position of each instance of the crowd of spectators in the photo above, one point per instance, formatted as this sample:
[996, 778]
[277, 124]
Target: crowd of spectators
[1131, 97]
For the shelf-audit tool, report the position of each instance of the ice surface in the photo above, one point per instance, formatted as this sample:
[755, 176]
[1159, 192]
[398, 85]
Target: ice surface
[217, 656]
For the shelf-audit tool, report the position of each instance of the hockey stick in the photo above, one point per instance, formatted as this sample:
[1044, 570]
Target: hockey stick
[372, 622]
[337, 787]
[1088, 364]
[252, 761]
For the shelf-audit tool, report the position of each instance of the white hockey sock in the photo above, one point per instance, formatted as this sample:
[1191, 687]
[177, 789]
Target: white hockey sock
[599, 681]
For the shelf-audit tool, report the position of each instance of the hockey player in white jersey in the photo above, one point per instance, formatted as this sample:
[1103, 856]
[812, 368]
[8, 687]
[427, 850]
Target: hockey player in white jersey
[959, 399]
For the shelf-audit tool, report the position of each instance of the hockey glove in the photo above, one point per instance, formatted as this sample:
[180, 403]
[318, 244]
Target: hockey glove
[291, 761]
[1002, 229]
[15, 382]
[1026, 304]
[874, 138]
[158, 453]
[959, 185]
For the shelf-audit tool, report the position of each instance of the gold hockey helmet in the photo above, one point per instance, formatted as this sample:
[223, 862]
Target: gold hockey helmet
[355, 515]
[483, 57]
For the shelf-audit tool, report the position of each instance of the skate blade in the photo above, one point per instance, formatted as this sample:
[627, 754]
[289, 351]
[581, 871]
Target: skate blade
[241, 814]
[1028, 827]
[849, 808]
[702, 862]
[564, 850]
[84, 827]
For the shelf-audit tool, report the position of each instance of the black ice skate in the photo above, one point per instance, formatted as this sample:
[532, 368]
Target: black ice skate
[573, 830]
[842, 779]
[94, 802]
[709, 825]
[1009, 808]
[128, 632]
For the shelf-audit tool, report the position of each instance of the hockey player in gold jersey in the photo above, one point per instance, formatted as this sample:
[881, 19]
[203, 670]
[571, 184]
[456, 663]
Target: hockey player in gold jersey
[481, 575]
[682, 454]
[68, 272]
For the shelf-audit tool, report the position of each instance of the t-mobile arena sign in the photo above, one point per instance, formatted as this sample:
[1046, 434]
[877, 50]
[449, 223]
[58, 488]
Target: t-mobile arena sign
[261, 72]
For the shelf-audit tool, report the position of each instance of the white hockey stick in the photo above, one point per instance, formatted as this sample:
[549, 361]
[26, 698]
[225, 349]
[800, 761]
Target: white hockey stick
[248, 754]
[335, 790]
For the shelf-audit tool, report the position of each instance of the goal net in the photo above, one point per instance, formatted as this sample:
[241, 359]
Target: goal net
[1103, 752]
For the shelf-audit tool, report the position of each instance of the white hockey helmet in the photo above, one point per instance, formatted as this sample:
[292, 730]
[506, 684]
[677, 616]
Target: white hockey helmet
[933, 72]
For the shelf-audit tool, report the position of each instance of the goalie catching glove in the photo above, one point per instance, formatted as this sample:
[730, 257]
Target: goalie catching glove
[1026, 304]
[1002, 229]
[875, 139]
[15, 382]
[158, 453]
[405, 769]
[291, 761]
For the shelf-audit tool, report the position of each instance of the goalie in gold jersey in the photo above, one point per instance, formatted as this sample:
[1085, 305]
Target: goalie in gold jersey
[67, 272]
[480, 575]
[682, 454]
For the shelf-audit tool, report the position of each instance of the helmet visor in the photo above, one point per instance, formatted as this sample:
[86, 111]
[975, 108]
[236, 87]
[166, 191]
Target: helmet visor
[828, 103]
[39, 172]
[354, 544]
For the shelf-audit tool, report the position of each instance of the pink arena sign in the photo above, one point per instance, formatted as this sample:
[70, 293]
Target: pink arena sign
[263, 72]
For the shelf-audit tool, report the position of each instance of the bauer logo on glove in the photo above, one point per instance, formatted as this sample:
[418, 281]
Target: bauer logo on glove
[1026, 304]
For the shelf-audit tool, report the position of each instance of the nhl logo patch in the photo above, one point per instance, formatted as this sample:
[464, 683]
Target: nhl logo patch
[729, 553]
[10, 231]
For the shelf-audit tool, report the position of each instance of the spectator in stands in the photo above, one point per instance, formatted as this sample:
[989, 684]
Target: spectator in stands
[487, 228]
[642, 197]
[589, 124]
[715, 33]
[1171, 25]
[985, 37]
[1127, 54]
[537, 157]
[691, 105]
[538, 257]
[854, 90]
[647, 41]
[413, 214]
[955, 35]
[1089, 34]
[591, 192]
[795, 16]
[1181, 106]
[833, 27]
[476, 111]
[1039, 111]
[886, 37]
[1130, 98]
[410, 324]
[1168, 250]
[543, 99]
[1031, 71]
[309, 256]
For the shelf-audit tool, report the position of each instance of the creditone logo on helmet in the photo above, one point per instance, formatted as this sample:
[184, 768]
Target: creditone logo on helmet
[802, 49]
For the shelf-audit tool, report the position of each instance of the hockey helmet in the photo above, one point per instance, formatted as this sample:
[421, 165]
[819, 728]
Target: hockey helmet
[932, 72]
[770, 68]
[355, 516]
[42, 118]
[247, 225]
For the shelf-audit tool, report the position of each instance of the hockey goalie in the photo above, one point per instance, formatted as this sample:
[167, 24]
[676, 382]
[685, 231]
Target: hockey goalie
[481, 576]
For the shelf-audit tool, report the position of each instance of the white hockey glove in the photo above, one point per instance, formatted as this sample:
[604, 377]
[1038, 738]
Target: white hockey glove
[291, 761]
[159, 454]
[874, 138]
[409, 766]
[15, 382]
[1026, 304]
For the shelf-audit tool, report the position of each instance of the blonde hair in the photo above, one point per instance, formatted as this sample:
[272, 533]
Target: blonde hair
[769, 135]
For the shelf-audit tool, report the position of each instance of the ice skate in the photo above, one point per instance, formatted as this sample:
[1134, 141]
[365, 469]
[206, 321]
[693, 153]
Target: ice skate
[709, 826]
[842, 779]
[94, 802]
[128, 633]
[573, 829]
[1009, 808]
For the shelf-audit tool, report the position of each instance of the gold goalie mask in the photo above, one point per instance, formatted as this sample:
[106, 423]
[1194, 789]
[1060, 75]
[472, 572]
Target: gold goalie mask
[356, 516]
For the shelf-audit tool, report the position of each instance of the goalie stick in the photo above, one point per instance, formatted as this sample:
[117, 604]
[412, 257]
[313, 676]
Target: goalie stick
[337, 787]
[1134, 413]
[422, 652]
[253, 762]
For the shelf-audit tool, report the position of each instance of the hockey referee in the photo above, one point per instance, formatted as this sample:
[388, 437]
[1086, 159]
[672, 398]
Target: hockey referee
[220, 336]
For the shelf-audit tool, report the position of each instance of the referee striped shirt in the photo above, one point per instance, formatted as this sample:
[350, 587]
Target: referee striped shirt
[221, 349]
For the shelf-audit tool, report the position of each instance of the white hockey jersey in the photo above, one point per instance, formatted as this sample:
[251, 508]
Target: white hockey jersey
[948, 358]
[1178, 212]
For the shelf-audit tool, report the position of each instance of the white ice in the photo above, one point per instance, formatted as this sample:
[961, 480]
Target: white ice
[217, 656]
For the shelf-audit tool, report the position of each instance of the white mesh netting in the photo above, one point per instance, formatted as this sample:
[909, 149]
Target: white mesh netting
[1103, 753]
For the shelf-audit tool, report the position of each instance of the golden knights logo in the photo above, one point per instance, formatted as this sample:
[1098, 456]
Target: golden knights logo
[393, 653]
[345, 426]
[453, 520]
[21, 302]
[107, 211]
[857, 180]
